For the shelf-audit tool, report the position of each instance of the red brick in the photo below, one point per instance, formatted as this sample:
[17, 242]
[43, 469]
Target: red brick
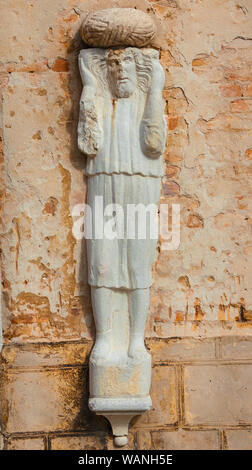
[201, 61]
[173, 157]
[241, 75]
[60, 65]
[241, 106]
[248, 154]
[166, 59]
[231, 90]
[247, 91]
[170, 188]
[176, 106]
[172, 123]
[171, 171]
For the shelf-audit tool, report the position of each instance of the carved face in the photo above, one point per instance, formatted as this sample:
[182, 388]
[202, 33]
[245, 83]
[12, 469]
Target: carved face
[122, 74]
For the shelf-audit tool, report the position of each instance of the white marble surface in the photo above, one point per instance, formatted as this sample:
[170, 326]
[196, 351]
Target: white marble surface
[122, 133]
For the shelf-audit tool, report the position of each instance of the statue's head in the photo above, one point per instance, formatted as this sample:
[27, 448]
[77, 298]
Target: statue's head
[123, 70]
[122, 73]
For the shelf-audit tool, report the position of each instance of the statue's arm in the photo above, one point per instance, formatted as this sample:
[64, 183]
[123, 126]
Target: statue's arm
[153, 128]
[90, 135]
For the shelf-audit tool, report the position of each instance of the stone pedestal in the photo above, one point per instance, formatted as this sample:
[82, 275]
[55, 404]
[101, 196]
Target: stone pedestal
[119, 384]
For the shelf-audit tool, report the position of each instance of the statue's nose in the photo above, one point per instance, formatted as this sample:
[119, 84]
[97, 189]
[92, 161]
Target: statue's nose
[121, 66]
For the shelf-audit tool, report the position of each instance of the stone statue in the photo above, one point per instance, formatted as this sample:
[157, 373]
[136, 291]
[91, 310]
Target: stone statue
[122, 132]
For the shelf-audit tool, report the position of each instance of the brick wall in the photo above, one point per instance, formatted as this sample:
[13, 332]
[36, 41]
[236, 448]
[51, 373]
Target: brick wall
[199, 327]
[201, 391]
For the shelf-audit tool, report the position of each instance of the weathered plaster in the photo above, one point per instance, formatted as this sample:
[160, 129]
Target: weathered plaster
[202, 291]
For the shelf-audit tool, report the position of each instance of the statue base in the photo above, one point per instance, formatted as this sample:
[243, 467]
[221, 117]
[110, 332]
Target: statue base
[120, 384]
[120, 377]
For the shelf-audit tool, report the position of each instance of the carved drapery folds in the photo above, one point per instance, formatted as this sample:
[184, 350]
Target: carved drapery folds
[121, 131]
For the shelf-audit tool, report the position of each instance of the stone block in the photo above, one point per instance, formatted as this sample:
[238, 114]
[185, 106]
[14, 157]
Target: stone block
[240, 439]
[47, 400]
[41, 355]
[81, 442]
[26, 444]
[144, 440]
[184, 349]
[218, 394]
[164, 399]
[179, 440]
[236, 348]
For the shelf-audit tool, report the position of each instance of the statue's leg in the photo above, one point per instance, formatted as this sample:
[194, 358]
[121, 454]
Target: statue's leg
[138, 307]
[101, 303]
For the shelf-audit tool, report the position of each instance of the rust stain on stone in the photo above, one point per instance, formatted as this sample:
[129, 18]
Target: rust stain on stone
[184, 281]
[38, 91]
[179, 316]
[170, 188]
[195, 221]
[199, 314]
[48, 274]
[172, 401]
[51, 206]
[245, 316]
[30, 308]
[60, 65]
[37, 136]
[71, 18]
[51, 130]
[41, 265]
[16, 225]
[68, 269]
[221, 313]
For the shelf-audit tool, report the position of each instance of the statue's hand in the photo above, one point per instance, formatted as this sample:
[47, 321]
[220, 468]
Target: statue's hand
[90, 134]
[153, 139]
[89, 130]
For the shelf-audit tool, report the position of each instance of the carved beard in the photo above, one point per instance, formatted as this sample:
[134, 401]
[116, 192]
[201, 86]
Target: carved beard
[122, 89]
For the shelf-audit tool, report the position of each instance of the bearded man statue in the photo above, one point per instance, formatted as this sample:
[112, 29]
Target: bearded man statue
[122, 132]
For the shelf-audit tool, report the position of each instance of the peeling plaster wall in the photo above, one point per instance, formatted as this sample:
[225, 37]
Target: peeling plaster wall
[201, 300]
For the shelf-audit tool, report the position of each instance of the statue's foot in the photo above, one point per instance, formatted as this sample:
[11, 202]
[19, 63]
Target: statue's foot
[102, 348]
[137, 347]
